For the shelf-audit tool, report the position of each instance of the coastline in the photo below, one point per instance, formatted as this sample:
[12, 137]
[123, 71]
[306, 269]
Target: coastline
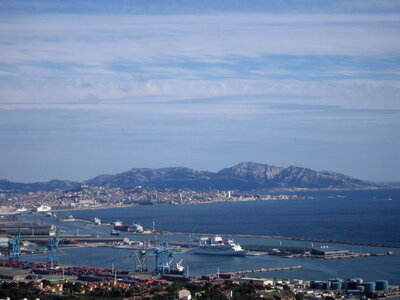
[292, 197]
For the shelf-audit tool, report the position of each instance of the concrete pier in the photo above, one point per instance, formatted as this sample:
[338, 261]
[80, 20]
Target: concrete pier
[279, 237]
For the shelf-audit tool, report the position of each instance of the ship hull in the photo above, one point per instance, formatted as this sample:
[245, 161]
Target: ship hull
[122, 227]
[215, 251]
[176, 272]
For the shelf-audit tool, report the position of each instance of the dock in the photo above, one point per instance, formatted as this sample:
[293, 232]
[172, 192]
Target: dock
[269, 247]
[78, 238]
[264, 270]
[280, 237]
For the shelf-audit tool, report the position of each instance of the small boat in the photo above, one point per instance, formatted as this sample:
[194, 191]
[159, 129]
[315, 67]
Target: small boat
[21, 210]
[115, 232]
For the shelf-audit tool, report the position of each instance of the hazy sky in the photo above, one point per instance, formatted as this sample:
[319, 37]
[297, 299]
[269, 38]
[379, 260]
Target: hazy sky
[94, 87]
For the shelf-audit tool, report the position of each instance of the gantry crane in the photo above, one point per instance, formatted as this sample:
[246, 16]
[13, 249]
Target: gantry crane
[52, 247]
[14, 246]
[140, 257]
[164, 256]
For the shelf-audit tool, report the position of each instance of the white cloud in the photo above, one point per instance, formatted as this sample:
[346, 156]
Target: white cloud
[103, 39]
[64, 60]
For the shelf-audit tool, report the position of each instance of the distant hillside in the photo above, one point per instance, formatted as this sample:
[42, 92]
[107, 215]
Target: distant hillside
[16, 187]
[245, 176]
[177, 177]
[392, 183]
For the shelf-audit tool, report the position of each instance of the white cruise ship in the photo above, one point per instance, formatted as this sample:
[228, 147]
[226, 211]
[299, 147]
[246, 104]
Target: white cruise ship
[217, 246]
[43, 208]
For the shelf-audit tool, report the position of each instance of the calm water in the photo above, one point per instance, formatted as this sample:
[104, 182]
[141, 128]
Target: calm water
[358, 215]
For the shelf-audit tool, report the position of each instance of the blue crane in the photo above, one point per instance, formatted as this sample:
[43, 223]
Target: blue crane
[164, 256]
[52, 246]
[14, 246]
[140, 256]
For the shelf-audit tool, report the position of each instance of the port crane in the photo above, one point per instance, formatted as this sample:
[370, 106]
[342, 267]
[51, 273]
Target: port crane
[164, 256]
[52, 247]
[14, 246]
[163, 259]
[140, 257]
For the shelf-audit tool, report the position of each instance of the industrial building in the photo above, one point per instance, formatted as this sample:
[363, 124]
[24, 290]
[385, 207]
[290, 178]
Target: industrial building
[26, 229]
[12, 274]
[4, 241]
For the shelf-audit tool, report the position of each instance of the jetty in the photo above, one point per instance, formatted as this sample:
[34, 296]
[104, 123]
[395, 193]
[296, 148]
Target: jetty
[280, 237]
[263, 270]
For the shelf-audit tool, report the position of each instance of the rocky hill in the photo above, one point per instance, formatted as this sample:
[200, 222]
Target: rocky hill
[245, 176]
[55, 184]
[177, 177]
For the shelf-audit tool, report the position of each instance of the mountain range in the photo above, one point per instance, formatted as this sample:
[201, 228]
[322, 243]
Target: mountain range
[245, 176]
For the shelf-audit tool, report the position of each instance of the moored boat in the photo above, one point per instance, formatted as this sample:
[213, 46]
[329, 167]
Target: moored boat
[178, 269]
[115, 232]
[218, 246]
[121, 227]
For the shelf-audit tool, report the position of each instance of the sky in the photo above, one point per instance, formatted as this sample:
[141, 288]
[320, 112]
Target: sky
[100, 87]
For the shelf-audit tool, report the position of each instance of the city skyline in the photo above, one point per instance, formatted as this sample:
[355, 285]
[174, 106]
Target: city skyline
[93, 87]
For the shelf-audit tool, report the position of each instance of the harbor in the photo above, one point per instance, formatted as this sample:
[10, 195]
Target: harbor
[95, 234]
[117, 251]
[200, 150]
[292, 238]
[107, 239]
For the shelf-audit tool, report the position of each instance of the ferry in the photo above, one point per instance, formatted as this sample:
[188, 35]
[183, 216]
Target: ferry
[218, 246]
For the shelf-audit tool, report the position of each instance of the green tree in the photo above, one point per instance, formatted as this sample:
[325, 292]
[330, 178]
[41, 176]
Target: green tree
[45, 282]
[299, 296]
[117, 292]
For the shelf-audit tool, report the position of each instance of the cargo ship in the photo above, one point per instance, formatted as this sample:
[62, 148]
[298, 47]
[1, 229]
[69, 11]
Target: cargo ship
[121, 227]
[178, 269]
[217, 246]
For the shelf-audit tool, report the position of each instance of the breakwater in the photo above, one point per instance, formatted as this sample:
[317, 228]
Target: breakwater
[265, 270]
[279, 237]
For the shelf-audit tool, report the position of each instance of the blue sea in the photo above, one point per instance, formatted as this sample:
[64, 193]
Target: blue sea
[370, 216]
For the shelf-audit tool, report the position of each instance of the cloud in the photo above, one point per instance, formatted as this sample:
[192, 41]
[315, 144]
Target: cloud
[124, 61]
[100, 39]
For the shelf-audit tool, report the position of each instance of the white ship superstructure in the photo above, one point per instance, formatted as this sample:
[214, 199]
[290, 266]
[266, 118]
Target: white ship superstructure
[138, 228]
[217, 246]
[7, 210]
[43, 208]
